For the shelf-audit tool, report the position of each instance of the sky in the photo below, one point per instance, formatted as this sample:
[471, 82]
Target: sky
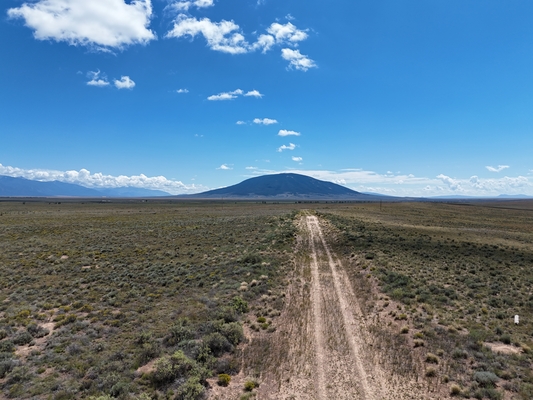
[410, 98]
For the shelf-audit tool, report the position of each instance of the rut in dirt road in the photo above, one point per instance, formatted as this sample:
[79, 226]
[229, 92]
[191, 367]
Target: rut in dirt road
[338, 328]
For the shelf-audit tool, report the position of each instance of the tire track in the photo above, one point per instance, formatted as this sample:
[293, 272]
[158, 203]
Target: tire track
[352, 325]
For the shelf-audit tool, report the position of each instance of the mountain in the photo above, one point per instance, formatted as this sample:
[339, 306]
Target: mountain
[284, 187]
[21, 187]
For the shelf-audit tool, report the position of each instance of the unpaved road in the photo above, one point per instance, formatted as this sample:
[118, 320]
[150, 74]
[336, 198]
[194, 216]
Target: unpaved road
[323, 344]
[338, 319]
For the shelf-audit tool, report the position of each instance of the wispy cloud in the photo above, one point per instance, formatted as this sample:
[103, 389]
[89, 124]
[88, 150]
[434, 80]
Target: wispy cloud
[96, 79]
[251, 168]
[125, 82]
[499, 168]
[240, 123]
[291, 146]
[297, 159]
[265, 121]
[284, 132]
[99, 180]
[233, 95]
[224, 167]
[297, 60]
[182, 91]
[185, 5]
[102, 24]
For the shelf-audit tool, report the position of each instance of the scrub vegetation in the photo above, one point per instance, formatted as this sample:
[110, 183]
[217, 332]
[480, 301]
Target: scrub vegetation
[133, 299]
[448, 279]
[180, 300]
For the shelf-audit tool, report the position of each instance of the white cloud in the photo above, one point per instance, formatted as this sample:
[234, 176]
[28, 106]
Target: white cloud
[265, 121]
[251, 168]
[286, 33]
[224, 167]
[234, 95]
[297, 159]
[227, 37]
[499, 168]
[410, 185]
[241, 123]
[185, 5]
[297, 60]
[279, 34]
[98, 180]
[96, 80]
[124, 83]
[182, 91]
[103, 24]
[253, 93]
[284, 132]
[221, 36]
[291, 146]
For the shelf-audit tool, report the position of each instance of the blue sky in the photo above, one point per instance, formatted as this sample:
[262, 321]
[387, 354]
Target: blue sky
[404, 98]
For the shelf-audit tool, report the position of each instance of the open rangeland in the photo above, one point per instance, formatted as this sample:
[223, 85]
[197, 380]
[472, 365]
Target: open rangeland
[187, 300]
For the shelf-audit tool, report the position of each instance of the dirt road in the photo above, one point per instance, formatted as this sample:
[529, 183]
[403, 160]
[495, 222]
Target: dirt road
[323, 337]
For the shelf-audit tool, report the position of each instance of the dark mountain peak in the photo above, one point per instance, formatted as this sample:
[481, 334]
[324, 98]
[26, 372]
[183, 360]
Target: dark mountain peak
[285, 186]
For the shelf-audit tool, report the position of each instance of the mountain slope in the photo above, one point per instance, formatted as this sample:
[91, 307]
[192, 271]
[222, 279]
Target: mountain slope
[21, 187]
[284, 186]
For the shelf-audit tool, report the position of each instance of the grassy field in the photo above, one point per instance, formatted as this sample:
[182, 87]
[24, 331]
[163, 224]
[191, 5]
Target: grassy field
[147, 300]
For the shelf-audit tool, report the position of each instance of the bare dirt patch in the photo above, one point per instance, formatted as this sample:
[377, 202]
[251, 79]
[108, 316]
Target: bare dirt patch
[503, 348]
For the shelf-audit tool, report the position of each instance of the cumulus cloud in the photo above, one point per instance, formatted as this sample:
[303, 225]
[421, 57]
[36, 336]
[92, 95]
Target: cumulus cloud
[291, 146]
[182, 91]
[234, 95]
[185, 5]
[284, 132]
[253, 93]
[297, 159]
[96, 80]
[224, 167]
[124, 83]
[297, 60]
[98, 180]
[224, 36]
[398, 184]
[227, 37]
[102, 24]
[241, 123]
[499, 168]
[279, 34]
[265, 121]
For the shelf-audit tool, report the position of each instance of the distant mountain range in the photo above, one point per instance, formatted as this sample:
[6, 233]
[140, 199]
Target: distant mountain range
[21, 187]
[285, 186]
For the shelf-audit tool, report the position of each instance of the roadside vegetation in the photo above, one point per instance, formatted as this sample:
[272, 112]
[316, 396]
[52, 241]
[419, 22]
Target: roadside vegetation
[443, 283]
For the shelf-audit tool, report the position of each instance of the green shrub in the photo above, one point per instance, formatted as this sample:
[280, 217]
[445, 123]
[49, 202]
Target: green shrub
[233, 332]
[178, 333]
[485, 379]
[240, 305]
[217, 343]
[7, 346]
[224, 379]
[192, 389]
[22, 338]
[250, 385]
